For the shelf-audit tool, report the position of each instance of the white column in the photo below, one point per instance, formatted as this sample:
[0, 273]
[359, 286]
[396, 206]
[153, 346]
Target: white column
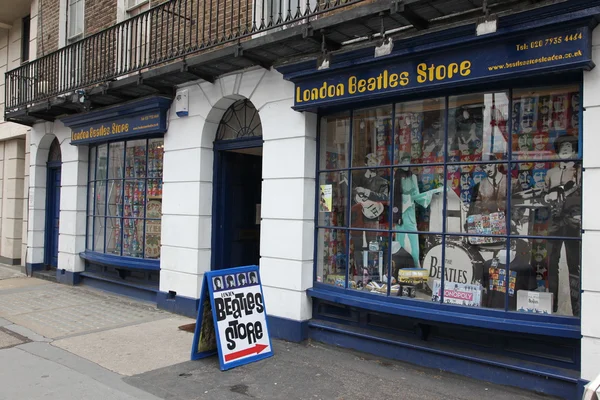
[187, 201]
[73, 200]
[288, 193]
[25, 192]
[12, 205]
[590, 272]
[38, 156]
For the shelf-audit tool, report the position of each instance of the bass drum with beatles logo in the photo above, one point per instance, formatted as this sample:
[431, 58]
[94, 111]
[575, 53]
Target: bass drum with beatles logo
[464, 263]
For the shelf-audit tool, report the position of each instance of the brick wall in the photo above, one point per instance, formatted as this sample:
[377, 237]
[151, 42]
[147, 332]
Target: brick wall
[167, 32]
[99, 15]
[48, 26]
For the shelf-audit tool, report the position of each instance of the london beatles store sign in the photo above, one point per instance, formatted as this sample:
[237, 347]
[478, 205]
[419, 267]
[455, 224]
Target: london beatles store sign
[136, 125]
[551, 51]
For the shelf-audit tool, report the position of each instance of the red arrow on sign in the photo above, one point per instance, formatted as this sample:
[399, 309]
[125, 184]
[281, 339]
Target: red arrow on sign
[246, 352]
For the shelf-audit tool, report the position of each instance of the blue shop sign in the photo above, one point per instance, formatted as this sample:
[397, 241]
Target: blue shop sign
[550, 52]
[140, 118]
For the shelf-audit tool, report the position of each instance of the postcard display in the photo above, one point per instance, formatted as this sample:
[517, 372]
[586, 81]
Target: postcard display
[135, 193]
[537, 121]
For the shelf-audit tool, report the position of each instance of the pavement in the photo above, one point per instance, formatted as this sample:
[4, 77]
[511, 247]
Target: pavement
[64, 342]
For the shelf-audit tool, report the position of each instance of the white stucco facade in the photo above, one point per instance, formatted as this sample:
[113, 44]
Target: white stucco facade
[287, 226]
[287, 217]
[73, 196]
[14, 152]
[590, 273]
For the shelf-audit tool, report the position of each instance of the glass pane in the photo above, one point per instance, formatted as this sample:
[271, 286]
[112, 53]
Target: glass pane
[92, 164]
[155, 158]
[113, 236]
[369, 262]
[135, 162]
[101, 165]
[335, 135]
[154, 189]
[99, 234]
[476, 199]
[90, 236]
[418, 201]
[153, 224]
[540, 117]
[415, 264]
[477, 127]
[419, 132]
[333, 198]
[464, 269]
[547, 199]
[331, 257]
[370, 198]
[91, 197]
[100, 197]
[72, 20]
[152, 248]
[134, 199]
[80, 5]
[115, 198]
[546, 276]
[372, 137]
[133, 232]
[115, 163]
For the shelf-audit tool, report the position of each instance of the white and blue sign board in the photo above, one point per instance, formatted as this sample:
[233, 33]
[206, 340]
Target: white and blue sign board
[232, 319]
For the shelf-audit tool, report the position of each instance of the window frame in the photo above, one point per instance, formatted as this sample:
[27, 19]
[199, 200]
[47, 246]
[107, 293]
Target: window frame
[25, 38]
[73, 37]
[394, 304]
[121, 179]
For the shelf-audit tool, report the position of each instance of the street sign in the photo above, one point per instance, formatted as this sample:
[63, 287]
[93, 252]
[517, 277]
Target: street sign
[232, 320]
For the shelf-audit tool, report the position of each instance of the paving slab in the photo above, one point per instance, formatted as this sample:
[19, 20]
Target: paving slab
[58, 311]
[313, 371]
[20, 283]
[134, 349]
[51, 297]
[7, 272]
[26, 376]
[72, 362]
[10, 339]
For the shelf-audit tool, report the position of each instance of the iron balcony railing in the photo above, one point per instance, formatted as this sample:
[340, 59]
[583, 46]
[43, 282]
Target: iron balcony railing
[162, 34]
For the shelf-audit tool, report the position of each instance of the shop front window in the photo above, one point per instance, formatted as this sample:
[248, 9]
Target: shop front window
[470, 200]
[125, 198]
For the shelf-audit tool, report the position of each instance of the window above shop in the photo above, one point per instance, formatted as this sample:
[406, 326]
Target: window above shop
[125, 198]
[471, 200]
[75, 19]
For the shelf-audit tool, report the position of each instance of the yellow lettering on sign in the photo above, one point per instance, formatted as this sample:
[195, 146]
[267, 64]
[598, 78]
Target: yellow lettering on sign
[120, 128]
[437, 73]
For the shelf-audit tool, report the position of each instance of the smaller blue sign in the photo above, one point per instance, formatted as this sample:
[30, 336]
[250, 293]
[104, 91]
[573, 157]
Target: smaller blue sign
[232, 319]
[139, 118]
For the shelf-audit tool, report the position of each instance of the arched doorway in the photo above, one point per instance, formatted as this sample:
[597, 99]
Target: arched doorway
[52, 205]
[237, 187]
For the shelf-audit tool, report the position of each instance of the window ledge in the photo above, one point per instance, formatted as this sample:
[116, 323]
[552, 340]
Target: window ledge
[457, 315]
[110, 260]
[137, 6]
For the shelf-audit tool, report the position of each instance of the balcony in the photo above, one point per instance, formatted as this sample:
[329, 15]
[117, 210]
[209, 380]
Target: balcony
[184, 40]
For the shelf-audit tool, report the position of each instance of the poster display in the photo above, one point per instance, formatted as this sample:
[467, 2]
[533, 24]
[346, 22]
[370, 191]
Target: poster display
[232, 319]
[325, 198]
[456, 193]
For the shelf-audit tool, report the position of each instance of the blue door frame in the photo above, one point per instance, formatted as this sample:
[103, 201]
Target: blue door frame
[53, 177]
[219, 208]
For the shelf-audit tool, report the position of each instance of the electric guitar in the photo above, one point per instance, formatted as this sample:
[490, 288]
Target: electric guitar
[370, 209]
[557, 197]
